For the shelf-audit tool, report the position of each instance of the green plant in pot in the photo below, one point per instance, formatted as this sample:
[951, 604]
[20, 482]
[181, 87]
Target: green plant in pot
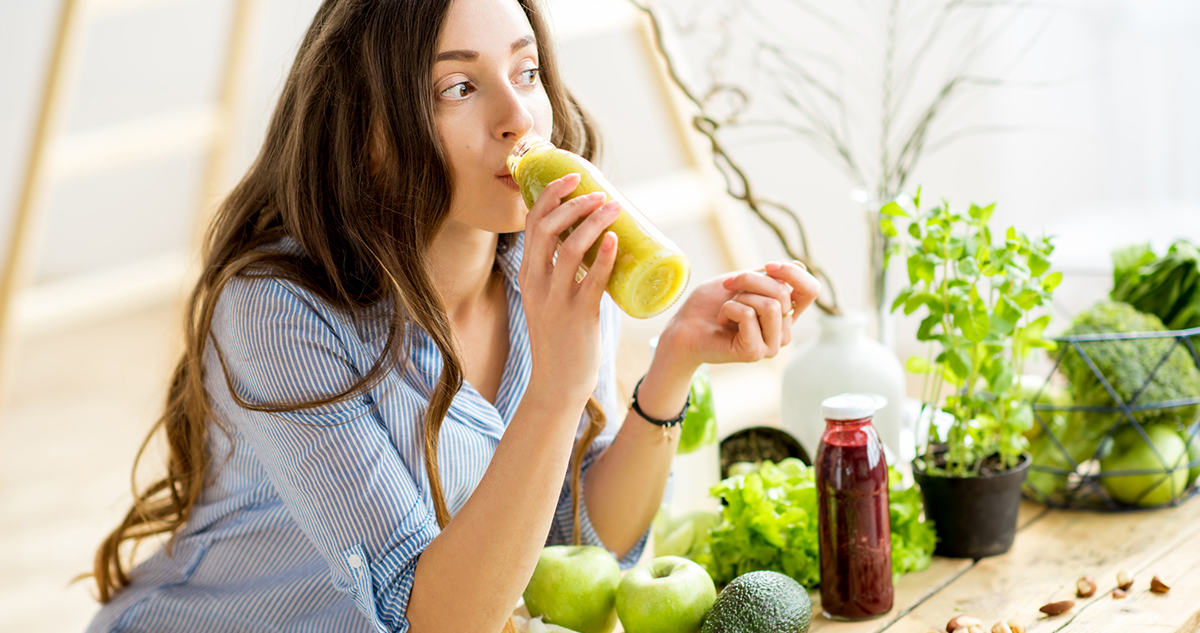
[980, 299]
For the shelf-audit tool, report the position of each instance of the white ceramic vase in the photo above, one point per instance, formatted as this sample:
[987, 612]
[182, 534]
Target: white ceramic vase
[843, 359]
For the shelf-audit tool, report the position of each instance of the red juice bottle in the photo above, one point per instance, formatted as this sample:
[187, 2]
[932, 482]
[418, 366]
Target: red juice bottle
[854, 521]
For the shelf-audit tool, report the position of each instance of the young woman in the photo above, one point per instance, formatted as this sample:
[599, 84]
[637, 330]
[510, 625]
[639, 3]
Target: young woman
[387, 367]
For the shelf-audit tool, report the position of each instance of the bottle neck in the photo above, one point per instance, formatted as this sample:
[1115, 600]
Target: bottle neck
[528, 143]
[843, 328]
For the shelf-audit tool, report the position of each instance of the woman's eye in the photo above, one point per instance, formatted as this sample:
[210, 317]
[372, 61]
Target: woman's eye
[458, 91]
[530, 77]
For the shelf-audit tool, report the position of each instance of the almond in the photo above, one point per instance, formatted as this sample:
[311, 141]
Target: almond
[962, 622]
[1085, 587]
[1124, 580]
[1055, 608]
[1158, 586]
[1016, 628]
[1118, 593]
[1001, 627]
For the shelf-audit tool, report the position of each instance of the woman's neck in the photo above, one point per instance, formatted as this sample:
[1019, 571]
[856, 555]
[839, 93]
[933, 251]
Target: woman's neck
[462, 260]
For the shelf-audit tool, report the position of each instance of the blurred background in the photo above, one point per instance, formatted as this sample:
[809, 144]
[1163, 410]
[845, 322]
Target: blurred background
[121, 127]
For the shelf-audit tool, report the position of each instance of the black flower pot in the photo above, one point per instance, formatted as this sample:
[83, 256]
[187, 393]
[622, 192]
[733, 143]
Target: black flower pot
[974, 516]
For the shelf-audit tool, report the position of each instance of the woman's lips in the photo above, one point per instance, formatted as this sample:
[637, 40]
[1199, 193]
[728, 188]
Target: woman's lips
[508, 181]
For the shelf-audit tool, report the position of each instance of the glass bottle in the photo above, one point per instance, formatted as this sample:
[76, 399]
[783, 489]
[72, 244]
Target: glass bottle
[854, 520]
[650, 272]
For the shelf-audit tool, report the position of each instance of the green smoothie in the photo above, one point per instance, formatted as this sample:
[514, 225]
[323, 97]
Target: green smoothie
[650, 272]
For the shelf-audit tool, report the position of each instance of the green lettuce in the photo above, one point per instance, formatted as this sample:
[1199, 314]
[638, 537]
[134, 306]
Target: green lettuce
[769, 522]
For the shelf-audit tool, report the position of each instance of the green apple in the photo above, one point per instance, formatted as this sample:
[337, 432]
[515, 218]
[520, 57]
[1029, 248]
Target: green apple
[1130, 452]
[666, 595]
[1193, 440]
[575, 586]
[679, 536]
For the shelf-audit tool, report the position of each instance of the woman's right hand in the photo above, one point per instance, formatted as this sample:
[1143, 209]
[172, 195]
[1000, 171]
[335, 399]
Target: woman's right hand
[563, 315]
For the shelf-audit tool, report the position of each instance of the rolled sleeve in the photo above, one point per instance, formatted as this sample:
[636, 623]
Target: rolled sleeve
[334, 466]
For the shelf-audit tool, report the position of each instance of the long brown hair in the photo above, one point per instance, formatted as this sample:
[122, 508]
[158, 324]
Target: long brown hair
[363, 64]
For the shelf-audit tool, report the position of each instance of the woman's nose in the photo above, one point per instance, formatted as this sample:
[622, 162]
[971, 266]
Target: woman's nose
[514, 119]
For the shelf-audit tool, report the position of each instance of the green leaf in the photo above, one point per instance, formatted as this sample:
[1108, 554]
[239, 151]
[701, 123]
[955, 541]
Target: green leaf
[925, 331]
[1002, 378]
[1028, 299]
[1037, 263]
[958, 363]
[985, 213]
[926, 270]
[968, 267]
[885, 225]
[1011, 241]
[914, 230]
[901, 298]
[917, 197]
[973, 324]
[893, 210]
[917, 365]
[1051, 281]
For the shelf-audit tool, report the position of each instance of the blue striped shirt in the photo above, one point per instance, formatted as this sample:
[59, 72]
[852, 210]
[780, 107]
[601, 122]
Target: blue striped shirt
[314, 520]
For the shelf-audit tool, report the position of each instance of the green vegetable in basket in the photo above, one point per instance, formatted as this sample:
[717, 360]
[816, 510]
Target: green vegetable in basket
[1167, 287]
[769, 522]
[1127, 365]
[1131, 452]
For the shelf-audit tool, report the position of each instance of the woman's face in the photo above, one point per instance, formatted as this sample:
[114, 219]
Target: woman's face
[489, 95]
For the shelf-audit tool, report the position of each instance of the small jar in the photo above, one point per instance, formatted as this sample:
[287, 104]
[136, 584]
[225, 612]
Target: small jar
[854, 519]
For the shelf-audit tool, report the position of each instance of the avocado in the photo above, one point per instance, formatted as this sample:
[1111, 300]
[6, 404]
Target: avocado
[760, 602]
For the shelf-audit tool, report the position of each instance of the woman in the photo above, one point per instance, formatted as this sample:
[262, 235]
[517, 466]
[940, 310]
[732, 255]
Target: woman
[387, 368]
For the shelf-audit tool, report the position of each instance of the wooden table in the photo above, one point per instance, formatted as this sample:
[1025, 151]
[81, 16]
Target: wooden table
[1052, 550]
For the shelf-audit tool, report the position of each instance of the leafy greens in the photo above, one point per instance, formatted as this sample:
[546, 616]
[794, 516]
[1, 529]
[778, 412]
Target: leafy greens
[770, 522]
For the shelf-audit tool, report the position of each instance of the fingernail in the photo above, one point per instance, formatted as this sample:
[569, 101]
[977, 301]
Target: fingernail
[774, 266]
[597, 196]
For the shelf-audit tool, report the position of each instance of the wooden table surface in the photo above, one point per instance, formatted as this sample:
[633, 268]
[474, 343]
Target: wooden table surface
[1052, 550]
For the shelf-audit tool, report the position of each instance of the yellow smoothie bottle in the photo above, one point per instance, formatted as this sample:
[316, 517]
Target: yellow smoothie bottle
[650, 272]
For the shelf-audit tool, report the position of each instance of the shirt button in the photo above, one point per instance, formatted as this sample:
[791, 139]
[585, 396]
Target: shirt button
[355, 561]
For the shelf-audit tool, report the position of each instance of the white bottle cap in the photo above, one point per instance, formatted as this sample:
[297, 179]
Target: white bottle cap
[852, 406]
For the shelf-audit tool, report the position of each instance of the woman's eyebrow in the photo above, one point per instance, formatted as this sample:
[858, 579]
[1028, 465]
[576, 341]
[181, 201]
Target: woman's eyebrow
[470, 56]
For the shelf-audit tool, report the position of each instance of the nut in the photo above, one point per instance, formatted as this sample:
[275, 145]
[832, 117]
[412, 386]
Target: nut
[1001, 627]
[1158, 586]
[1085, 587]
[1016, 628]
[962, 622]
[1124, 580]
[1055, 608]
[976, 628]
[1118, 593]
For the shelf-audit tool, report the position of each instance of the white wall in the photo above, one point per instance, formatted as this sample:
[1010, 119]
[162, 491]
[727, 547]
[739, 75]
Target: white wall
[1108, 152]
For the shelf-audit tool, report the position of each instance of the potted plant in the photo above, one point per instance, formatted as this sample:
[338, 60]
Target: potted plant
[980, 299]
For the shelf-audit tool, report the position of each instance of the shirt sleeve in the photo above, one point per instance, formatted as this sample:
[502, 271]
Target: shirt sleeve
[334, 466]
[562, 529]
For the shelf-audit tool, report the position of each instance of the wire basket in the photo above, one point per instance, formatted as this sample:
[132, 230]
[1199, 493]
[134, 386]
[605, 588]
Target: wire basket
[1104, 457]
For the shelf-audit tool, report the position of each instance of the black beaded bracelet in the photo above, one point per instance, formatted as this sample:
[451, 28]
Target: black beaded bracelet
[675, 421]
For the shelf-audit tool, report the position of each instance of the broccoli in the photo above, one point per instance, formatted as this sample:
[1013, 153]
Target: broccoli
[1126, 365]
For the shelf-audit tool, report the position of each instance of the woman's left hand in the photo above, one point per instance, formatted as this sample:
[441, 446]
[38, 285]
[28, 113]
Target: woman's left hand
[740, 317]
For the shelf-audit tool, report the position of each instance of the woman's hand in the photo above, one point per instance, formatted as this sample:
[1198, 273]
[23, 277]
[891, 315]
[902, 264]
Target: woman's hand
[563, 315]
[740, 317]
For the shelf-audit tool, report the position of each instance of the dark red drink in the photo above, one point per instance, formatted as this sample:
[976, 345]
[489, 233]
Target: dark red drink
[855, 526]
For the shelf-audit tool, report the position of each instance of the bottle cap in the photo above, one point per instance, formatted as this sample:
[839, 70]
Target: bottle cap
[852, 406]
